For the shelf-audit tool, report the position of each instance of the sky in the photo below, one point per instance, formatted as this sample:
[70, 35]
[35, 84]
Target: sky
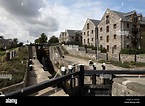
[27, 19]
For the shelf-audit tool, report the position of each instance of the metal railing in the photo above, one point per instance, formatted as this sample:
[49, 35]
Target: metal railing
[71, 76]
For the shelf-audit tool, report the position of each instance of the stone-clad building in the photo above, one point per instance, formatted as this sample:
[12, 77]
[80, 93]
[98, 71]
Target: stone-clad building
[62, 37]
[90, 32]
[70, 36]
[119, 30]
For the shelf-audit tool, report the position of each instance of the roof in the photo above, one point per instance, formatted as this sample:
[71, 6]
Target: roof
[129, 13]
[123, 15]
[72, 32]
[95, 22]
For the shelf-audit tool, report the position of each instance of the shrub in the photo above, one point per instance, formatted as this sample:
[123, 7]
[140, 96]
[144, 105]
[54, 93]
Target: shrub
[132, 51]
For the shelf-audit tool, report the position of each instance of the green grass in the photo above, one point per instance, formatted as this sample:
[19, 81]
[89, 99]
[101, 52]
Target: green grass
[2, 53]
[15, 68]
[124, 64]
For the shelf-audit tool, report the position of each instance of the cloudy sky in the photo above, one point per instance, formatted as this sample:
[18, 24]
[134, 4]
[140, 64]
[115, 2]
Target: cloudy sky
[27, 19]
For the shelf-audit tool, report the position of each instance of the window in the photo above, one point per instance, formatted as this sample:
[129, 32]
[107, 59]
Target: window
[101, 29]
[127, 36]
[115, 36]
[84, 33]
[84, 41]
[107, 48]
[127, 25]
[101, 38]
[87, 25]
[115, 46]
[114, 26]
[92, 31]
[92, 39]
[107, 29]
[101, 47]
[128, 46]
[87, 33]
[88, 41]
[107, 39]
[107, 19]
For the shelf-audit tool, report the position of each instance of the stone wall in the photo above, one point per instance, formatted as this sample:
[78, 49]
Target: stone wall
[74, 51]
[15, 87]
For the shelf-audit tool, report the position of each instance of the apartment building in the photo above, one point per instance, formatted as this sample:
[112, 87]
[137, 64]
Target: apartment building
[118, 30]
[70, 36]
[90, 32]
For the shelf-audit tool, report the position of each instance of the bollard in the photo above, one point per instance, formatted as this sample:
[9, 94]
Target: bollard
[63, 70]
[103, 66]
[94, 66]
[102, 78]
[71, 80]
[90, 62]
[70, 67]
[94, 76]
[33, 57]
[30, 61]
[30, 67]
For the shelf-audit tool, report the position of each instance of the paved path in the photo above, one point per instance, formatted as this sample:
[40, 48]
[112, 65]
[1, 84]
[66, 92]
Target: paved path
[109, 67]
[38, 75]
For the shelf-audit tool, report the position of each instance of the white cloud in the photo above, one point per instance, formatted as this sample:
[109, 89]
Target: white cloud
[22, 17]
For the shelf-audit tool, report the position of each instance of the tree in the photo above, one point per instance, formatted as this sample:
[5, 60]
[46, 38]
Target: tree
[15, 42]
[53, 40]
[36, 40]
[43, 38]
[1, 37]
[20, 44]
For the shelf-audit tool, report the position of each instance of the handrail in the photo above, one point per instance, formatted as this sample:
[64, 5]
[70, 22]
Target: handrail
[92, 72]
[42, 85]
